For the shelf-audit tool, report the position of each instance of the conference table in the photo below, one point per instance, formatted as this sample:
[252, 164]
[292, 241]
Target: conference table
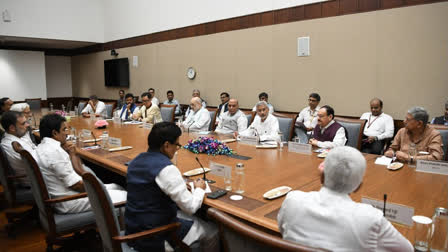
[271, 168]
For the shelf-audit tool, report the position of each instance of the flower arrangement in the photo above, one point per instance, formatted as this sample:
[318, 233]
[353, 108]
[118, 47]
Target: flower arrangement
[208, 145]
[101, 124]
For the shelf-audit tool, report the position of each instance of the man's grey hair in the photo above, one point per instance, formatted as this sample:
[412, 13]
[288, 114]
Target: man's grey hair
[19, 107]
[419, 114]
[196, 91]
[262, 103]
[344, 168]
[446, 104]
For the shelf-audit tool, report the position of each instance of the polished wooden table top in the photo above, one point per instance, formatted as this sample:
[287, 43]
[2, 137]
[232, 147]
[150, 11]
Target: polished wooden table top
[270, 168]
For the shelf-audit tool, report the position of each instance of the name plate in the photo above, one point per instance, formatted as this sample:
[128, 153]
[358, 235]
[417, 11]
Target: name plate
[436, 167]
[299, 148]
[220, 169]
[86, 133]
[251, 140]
[114, 142]
[394, 212]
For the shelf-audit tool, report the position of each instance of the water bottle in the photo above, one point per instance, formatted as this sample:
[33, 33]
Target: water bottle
[76, 111]
[439, 241]
[63, 107]
[73, 133]
[412, 152]
[51, 106]
[239, 180]
[80, 140]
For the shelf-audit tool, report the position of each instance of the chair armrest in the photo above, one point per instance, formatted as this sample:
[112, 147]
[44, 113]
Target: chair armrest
[66, 198]
[17, 176]
[147, 233]
[120, 204]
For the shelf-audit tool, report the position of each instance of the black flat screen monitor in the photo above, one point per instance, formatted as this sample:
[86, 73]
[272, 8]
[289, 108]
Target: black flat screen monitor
[116, 72]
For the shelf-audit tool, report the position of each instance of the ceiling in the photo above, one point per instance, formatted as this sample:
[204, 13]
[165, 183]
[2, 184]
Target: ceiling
[37, 43]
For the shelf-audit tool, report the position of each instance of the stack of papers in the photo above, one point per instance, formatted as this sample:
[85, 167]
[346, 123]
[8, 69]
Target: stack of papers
[383, 161]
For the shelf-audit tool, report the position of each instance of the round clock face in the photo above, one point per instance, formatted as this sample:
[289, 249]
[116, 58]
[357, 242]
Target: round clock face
[191, 73]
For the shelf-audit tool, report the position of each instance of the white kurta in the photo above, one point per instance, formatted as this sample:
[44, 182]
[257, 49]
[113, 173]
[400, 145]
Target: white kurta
[267, 130]
[331, 220]
[197, 121]
[15, 160]
[59, 175]
[170, 181]
[230, 123]
[100, 108]
[381, 126]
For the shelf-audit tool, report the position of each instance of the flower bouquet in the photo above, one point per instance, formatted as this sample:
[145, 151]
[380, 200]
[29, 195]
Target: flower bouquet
[101, 124]
[61, 113]
[208, 145]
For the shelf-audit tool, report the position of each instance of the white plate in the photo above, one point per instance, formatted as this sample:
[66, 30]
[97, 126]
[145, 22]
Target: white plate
[395, 166]
[133, 122]
[196, 171]
[277, 192]
[266, 146]
[322, 155]
[120, 148]
[230, 140]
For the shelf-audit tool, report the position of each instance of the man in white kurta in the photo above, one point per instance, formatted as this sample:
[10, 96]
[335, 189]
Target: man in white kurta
[94, 106]
[233, 120]
[199, 118]
[379, 126]
[265, 125]
[16, 126]
[61, 167]
[329, 219]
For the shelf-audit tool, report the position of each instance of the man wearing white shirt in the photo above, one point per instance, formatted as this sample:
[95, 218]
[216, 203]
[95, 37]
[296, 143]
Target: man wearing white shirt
[171, 101]
[330, 219]
[265, 125]
[199, 117]
[196, 93]
[62, 168]
[156, 190]
[234, 120]
[264, 97]
[328, 133]
[16, 126]
[307, 119]
[154, 99]
[94, 106]
[379, 126]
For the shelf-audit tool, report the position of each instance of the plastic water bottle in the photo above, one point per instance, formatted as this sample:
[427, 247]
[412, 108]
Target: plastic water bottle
[51, 106]
[76, 111]
[239, 180]
[63, 107]
[104, 139]
[439, 241]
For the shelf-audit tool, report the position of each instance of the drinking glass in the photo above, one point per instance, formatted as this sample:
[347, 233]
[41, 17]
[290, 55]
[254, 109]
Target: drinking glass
[422, 232]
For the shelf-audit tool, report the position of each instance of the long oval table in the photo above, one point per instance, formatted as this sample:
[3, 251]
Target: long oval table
[270, 168]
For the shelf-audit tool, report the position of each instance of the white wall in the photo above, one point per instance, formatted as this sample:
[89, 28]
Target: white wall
[22, 75]
[58, 71]
[80, 20]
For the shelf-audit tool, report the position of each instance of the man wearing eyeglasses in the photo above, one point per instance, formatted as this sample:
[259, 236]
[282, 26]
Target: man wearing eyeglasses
[328, 133]
[149, 112]
[426, 141]
[307, 119]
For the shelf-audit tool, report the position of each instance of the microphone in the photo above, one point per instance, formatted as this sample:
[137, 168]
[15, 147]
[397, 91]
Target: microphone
[94, 138]
[384, 206]
[205, 179]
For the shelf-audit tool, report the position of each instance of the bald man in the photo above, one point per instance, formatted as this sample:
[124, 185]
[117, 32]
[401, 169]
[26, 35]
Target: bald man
[379, 126]
[199, 117]
[233, 120]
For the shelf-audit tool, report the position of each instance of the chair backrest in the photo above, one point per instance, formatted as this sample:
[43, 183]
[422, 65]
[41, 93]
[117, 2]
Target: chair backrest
[167, 112]
[286, 125]
[250, 117]
[103, 209]
[238, 236]
[35, 103]
[109, 109]
[212, 112]
[38, 188]
[444, 134]
[81, 106]
[8, 186]
[354, 129]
